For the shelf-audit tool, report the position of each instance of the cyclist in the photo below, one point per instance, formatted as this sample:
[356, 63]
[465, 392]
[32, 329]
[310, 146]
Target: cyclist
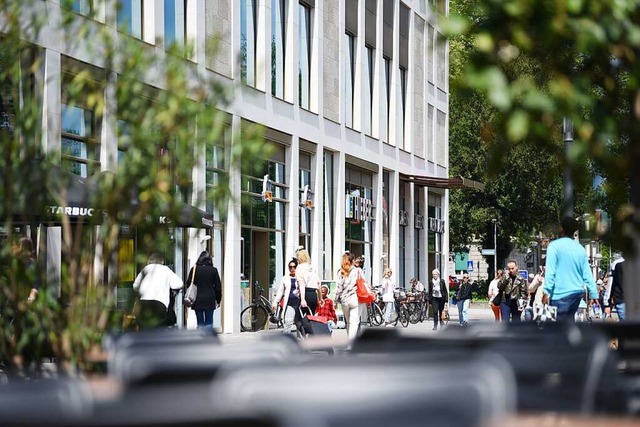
[288, 289]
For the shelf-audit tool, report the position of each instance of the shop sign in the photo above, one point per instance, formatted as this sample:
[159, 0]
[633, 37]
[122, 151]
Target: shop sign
[306, 201]
[267, 189]
[418, 221]
[358, 208]
[436, 225]
[404, 220]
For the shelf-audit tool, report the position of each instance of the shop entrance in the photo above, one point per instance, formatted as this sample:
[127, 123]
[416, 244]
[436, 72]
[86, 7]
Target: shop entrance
[256, 260]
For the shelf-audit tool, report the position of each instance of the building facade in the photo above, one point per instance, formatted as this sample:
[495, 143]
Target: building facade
[354, 97]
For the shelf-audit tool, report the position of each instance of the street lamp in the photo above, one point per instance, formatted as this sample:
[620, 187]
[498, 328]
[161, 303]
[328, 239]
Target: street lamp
[495, 246]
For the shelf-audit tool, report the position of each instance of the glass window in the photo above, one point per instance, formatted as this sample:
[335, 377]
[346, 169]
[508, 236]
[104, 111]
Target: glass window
[248, 11]
[328, 208]
[387, 82]
[130, 17]
[402, 274]
[304, 179]
[402, 111]
[80, 150]
[216, 173]
[304, 54]
[83, 7]
[430, 53]
[174, 22]
[441, 51]
[349, 81]
[278, 43]
[369, 93]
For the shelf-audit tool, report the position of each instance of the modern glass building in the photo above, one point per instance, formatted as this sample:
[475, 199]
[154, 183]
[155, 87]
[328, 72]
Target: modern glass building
[354, 96]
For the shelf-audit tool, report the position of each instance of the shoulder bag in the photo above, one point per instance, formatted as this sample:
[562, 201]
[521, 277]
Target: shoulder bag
[192, 291]
[364, 296]
[497, 299]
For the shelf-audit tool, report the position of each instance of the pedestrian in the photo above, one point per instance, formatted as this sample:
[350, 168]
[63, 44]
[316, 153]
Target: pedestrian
[27, 256]
[535, 293]
[154, 284]
[416, 285]
[347, 296]
[388, 299]
[209, 295]
[289, 290]
[493, 293]
[438, 296]
[307, 281]
[326, 307]
[362, 306]
[464, 300]
[514, 291]
[568, 272]
[614, 296]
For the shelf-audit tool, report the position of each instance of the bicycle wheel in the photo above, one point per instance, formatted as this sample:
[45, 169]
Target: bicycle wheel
[403, 316]
[415, 312]
[376, 316]
[253, 318]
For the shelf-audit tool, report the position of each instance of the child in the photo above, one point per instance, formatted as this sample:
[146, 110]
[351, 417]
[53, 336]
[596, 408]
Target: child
[326, 307]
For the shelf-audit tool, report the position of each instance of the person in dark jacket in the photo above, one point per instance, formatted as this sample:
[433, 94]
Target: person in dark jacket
[209, 295]
[464, 300]
[437, 296]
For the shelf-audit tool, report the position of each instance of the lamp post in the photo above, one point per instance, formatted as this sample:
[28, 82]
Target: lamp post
[495, 246]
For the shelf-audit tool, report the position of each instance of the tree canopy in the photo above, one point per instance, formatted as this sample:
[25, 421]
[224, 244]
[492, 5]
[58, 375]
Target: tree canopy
[518, 68]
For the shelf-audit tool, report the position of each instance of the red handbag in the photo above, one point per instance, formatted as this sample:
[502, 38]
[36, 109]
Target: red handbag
[364, 296]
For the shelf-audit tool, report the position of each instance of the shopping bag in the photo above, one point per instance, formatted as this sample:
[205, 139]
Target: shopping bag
[364, 296]
[544, 313]
[192, 291]
[314, 325]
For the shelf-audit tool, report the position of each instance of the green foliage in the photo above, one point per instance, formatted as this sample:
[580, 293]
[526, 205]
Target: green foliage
[164, 128]
[534, 62]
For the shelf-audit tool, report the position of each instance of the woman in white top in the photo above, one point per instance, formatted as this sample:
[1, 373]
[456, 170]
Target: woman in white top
[387, 296]
[308, 284]
[288, 290]
[493, 291]
[347, 296]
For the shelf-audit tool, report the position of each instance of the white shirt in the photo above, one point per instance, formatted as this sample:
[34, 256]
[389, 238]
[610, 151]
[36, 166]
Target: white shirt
[387, 290]
[154, 281]
[493, 289]
[418, 286]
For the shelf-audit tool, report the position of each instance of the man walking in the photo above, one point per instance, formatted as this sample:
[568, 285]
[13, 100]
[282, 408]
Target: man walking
[514, 289]
[568, 272]
[614, 295]
[464, 300]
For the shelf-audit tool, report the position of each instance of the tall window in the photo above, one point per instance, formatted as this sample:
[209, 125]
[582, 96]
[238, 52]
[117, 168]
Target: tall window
[358, 232]
[430, 53]
[124, 138]
[304, 53]
[248, 17]
[402, 111]
[441, 141]
[278, 42]
[83, 7]
[369, 94]
[130, 17]
[216, 173]
[385, 219]
[304, 179]
[430, 138]
[441, 50]
[387, 83]
[328, 209]
[174, 22]
[80, 147]
[349, 81]
[402, 274]
[416, 243]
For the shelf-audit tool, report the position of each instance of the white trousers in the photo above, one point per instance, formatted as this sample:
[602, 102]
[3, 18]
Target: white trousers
[351, 312]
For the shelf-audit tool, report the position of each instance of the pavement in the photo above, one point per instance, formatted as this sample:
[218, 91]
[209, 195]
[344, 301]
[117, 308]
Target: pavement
[478, 312]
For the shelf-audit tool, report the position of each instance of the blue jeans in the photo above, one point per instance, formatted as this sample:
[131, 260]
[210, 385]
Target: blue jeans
[620, 310]
[567, 306]
[509, 310]
[204, 318]
[463, 311]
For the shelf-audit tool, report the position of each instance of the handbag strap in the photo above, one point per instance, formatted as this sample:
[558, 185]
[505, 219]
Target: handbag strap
[193, 276]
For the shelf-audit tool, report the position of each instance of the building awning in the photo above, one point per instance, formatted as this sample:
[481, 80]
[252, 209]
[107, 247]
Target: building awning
[438, 182]
[55, 193]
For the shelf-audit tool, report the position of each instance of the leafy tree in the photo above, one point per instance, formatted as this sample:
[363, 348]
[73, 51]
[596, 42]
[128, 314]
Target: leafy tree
[505, 131]
[166, 124]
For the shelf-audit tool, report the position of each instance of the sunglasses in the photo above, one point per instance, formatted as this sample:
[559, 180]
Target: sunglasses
[292, 266]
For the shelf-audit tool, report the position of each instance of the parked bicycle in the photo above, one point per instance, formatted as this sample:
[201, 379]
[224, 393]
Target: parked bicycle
[254, 317]
[401, 313]
[375, 309]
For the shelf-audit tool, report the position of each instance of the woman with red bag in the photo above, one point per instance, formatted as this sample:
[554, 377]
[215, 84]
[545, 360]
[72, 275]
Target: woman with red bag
[347, 296]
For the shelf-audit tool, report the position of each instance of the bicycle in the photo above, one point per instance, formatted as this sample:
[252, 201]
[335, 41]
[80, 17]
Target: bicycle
[255, 316]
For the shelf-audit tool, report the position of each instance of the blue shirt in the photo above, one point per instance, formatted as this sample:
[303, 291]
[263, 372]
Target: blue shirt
[568, 270]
